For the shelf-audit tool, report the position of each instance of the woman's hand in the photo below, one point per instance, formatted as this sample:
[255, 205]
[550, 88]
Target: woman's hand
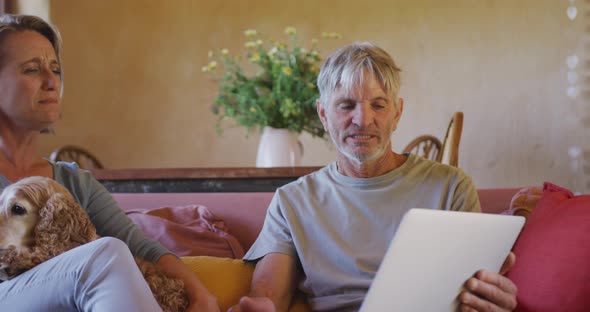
[253, 304]
[200, 298]
[202, 301]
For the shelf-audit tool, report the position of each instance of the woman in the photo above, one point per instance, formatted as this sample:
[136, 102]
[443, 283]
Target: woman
[99, 276]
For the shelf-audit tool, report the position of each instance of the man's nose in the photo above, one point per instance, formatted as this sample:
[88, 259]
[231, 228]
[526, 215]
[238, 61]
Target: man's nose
[363, 115]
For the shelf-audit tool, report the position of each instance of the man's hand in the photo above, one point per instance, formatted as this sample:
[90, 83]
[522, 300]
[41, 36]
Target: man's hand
[490, 291]
[253, 304]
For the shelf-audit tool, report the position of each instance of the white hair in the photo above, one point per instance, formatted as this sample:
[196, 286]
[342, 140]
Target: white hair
[347, 66]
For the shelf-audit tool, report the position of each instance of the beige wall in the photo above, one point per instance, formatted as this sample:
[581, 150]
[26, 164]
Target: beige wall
[136, 97]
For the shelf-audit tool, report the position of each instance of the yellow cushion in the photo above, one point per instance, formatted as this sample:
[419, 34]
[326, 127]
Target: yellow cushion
[229, 280]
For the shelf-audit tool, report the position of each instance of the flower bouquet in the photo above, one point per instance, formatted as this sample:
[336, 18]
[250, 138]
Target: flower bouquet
[280, 93]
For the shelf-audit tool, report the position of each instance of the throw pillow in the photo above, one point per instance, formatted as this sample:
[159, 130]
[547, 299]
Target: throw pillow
[229, 280]
[524, 201]
[552, 254]
[188, 231]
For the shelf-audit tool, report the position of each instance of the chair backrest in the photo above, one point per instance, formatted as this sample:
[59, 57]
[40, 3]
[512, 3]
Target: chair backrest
[77, 154]
[450, 144]
[430, 147]
[427, 146]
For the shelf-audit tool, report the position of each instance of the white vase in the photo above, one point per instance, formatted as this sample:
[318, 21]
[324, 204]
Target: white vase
[279, 148]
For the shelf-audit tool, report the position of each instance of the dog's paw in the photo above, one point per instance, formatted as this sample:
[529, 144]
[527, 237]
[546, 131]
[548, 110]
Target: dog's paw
[3, 275]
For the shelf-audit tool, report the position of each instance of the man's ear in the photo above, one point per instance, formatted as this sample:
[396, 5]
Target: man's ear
[322, 113]
[398, 113]
[400, 109]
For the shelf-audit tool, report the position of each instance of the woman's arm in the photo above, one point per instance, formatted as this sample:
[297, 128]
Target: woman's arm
[110, 220]
[105, 213]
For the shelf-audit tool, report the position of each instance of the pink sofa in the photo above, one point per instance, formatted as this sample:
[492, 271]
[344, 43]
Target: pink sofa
[555, 234]
[553, 237]
[244, 212]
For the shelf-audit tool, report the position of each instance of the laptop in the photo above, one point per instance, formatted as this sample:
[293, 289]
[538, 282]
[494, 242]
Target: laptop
[433, 253]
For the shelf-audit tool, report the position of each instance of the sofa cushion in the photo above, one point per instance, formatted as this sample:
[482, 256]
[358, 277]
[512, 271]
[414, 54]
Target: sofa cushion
[524, 201]
[552, 254]
[243, 213]
[190, 230]
[229, 280]
[495, 200]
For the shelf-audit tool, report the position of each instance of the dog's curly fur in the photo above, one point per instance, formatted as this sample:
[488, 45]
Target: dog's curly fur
[39, 219]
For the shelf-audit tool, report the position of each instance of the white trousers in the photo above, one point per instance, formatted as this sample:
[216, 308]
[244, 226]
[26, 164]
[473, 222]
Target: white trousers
[99, 276]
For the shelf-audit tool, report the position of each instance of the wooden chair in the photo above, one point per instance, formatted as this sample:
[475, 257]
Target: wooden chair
[450, 145]
[77, 154]
[430, 147]
[427, 146]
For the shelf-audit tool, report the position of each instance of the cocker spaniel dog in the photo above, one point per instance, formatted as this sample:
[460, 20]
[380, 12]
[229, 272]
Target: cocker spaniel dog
[39, 219]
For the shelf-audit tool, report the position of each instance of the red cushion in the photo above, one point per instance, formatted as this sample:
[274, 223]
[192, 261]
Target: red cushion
[190, 230]
[552, 270]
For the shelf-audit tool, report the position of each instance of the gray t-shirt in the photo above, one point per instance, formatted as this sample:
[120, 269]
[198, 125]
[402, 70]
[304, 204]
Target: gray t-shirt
[339, 227]
[103, 210]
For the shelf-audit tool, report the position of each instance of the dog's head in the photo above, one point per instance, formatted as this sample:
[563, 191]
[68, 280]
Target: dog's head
[38, 212]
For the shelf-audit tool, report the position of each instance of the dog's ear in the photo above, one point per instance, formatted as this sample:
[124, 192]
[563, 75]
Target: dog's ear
[63, 225]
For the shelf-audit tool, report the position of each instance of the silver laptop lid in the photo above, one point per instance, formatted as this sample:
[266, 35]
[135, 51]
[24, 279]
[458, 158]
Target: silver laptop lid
[433, 253]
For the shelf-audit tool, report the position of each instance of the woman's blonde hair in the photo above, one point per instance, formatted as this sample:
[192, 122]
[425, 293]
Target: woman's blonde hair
[14, 22]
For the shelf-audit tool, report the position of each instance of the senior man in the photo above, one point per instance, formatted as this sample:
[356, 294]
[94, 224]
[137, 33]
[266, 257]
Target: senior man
[327, 232]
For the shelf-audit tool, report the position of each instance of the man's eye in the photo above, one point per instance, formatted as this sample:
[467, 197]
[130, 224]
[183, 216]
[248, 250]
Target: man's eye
[346, 106]
[18, 210]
